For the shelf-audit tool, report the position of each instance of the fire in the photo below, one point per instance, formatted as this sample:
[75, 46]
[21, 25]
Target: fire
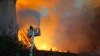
[26, 41]
[39, 41]
[22, 37]
[42, 42]
[44, 46]
[54, 24]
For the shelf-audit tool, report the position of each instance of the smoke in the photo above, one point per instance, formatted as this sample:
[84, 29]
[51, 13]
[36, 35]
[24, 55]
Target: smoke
[28, 16]
[72, 25]
[79, 27]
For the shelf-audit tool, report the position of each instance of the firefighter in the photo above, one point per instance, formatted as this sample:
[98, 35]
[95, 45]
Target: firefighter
[30, 32]
[31, 35]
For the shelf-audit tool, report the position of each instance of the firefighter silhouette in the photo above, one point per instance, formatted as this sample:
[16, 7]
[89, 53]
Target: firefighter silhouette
[30, 31]
[33, 31]
[31, 35]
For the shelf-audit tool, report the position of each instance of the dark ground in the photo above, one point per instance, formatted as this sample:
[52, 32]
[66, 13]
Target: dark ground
[52, 53]
[9, 47]
[49, 53]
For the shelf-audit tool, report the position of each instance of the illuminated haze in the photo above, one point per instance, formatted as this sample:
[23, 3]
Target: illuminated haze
[68, 24]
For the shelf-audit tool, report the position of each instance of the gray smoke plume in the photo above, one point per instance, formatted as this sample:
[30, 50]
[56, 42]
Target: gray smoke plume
[79, 27]
[28, 16]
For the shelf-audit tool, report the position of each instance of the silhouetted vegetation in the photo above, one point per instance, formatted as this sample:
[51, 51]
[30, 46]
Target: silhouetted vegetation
[9, 47]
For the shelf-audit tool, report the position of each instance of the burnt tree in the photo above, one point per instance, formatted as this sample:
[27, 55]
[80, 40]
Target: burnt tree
[8, 22]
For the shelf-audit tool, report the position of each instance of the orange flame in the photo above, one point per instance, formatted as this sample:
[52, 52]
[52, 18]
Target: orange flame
[48, 24]
[26, 41]
[41, 42]
[22, 37]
